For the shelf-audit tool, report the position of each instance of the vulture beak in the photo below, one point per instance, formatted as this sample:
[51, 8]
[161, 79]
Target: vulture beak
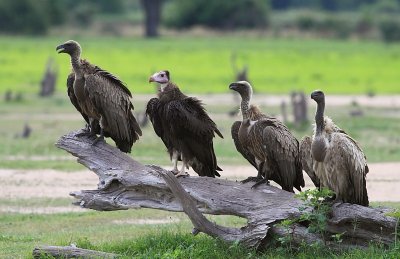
[233, 86]
[60, 49]
[151, 79]
[314, 94]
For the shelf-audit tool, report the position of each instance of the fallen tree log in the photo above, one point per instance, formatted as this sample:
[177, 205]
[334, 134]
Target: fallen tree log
[69, 252]
[127, 184]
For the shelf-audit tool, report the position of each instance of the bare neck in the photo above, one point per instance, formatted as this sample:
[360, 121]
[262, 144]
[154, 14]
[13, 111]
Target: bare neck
[245, 106]
[319, 118]
[76, 64]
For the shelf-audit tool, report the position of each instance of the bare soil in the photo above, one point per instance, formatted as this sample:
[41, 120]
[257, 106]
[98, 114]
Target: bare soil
[382, 182]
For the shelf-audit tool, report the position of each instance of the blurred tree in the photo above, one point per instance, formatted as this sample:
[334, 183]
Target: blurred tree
[222, 14]
[22, 16]
[152, 9]
[280, 4]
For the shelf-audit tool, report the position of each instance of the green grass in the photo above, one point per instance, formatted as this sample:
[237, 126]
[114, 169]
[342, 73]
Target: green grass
[51, 118]
[117, 232]
[202, 64]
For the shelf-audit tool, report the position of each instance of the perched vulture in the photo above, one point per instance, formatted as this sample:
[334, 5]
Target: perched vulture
[267, 144]
[185, 128]
[333, 159]
[102, 99]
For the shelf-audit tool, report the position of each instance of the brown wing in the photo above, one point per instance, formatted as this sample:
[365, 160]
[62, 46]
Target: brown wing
[307, 161]
[154, 111]
[283, 150]
[193, 130]
[246, 153]
[72, 97]
[346, 162]
[113, 104]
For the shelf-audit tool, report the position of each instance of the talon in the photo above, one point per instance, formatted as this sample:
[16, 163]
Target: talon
[97, 140]
[251, 179]
[182, 174]
[84, 132]
[260, 182]
[175, 172]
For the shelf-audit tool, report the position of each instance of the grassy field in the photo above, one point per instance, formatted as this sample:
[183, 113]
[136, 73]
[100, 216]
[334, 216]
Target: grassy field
[199, 65]
[202, 64]
[136, 233]
[50, 118]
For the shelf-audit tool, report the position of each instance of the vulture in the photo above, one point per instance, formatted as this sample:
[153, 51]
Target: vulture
[184, 126]
[333, 159]
[102, 99]
[267, 144]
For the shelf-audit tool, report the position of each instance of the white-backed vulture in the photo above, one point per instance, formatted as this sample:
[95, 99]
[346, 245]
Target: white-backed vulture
[333, 159]
[267, 144]
[102, 99]
[185, 128]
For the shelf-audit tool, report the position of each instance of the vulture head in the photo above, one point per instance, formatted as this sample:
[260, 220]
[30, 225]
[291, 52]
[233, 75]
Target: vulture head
[243, 88]
[161, 77]
[318, 96]
[70, 47]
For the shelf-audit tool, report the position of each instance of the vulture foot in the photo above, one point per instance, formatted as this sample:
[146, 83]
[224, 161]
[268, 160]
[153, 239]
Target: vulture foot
[97, 140]
[181, 174]
[252, 179]
[84, 132]
[260, 182]
[175, 171]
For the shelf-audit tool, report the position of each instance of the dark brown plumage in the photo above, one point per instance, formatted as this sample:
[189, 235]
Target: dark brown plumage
[102, 99]
[267, 140]
[335, 160]
[185, 128]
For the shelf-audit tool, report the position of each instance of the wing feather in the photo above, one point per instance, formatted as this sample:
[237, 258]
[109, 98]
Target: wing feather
[282, 147]
[307, 160]
[72, 97]
[246, 153]
[345, 170]
[195, 130]
[113, 103]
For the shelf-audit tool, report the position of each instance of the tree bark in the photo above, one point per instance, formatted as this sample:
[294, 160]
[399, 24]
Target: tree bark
[126, 184]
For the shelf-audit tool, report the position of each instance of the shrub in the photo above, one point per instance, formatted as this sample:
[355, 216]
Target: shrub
[390, 31]
[222, 14]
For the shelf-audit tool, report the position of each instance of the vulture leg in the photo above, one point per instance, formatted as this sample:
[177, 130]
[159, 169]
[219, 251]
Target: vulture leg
[183, 172]
[257, 178]
[175, 170]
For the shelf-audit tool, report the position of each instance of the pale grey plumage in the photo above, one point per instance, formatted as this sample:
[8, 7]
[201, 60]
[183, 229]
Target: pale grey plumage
[336, 159]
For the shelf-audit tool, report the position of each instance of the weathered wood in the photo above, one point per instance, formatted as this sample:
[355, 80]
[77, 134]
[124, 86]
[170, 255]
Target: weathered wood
[126, 184]
[69, 252]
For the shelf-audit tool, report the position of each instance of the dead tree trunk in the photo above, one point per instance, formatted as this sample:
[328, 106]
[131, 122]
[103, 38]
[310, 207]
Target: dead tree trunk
[152, 10]
[299, 104]
[127, 184]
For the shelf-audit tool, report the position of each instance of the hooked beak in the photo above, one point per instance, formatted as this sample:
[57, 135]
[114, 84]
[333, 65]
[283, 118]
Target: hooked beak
[151, 79]
[60, 49]
[233, 86]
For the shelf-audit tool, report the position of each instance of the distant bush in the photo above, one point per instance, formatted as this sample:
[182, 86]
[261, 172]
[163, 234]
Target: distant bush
[222, 14]
[390, 31]
[22, 16]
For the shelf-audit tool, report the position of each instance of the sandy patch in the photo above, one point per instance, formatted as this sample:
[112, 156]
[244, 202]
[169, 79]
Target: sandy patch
[146, 221]
[382, 182]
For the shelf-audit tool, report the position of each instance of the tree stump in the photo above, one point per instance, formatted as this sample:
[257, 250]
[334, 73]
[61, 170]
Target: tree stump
[48, 83]
[127, 184]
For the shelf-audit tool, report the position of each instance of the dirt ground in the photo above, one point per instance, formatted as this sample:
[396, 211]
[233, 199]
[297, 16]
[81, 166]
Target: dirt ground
[382, 182]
